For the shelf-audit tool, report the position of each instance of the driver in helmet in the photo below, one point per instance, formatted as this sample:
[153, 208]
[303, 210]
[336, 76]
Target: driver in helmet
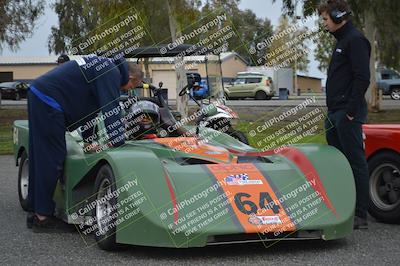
[143, 121]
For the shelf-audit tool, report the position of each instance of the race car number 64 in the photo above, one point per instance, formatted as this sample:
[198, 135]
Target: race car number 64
[249, 207]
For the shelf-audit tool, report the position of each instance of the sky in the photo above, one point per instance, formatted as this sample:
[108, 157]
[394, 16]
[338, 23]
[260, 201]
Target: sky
[37, 44]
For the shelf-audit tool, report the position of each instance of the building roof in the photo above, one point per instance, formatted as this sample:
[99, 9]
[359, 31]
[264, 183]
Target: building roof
[308, 77]
[28, 60]
[52, 59]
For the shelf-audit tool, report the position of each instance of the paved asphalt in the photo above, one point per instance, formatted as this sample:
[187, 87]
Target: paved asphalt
[380, 245]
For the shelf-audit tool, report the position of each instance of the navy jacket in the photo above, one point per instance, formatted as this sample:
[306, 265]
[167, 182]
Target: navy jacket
[83, 87]
[348, 72]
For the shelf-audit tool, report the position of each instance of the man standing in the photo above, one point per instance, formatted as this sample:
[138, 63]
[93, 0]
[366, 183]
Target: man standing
[347, 82]
[67, 98]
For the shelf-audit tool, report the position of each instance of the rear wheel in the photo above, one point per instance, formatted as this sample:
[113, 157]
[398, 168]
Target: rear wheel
[105, 211]
[395, 93]
[23, 181]
[260, 95]
[384, 187]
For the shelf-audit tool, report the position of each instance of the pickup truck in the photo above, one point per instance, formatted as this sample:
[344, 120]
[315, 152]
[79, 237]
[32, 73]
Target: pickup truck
[388, 81]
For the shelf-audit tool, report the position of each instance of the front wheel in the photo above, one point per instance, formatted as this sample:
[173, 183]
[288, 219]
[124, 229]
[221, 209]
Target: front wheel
[260, 95]
[395, 93]
[23, 181]
[384, 187]
[105, 211]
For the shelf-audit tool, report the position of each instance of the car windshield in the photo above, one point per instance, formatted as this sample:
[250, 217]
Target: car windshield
[390, 74]
[7, 84]
[395, 75]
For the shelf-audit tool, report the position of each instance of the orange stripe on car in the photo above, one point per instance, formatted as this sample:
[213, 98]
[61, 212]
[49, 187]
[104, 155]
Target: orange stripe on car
[245, 198]
[194, 146]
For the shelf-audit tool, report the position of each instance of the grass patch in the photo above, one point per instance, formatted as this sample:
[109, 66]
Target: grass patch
[249, 121]
[264, 139]
[384, 117]
[7, 117]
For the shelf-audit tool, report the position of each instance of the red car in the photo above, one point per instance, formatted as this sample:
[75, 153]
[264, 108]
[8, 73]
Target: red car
[382, 148]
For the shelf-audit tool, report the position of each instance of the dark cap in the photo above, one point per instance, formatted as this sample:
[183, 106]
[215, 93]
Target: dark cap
[63, 58]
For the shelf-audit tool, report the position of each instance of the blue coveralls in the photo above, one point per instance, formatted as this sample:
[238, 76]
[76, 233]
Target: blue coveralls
[66, 98]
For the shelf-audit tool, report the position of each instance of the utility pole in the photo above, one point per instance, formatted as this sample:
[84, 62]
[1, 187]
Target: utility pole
[295, 89]
[181, 102]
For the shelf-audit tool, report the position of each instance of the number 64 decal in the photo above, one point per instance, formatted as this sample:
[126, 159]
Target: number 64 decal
[265, 202]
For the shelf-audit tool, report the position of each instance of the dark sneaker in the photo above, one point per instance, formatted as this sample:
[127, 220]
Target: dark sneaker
[50, 225]
[29, 220]
[360, 223]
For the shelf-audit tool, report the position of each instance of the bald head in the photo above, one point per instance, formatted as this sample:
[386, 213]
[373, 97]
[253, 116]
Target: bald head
[135, 76]
[135, 70]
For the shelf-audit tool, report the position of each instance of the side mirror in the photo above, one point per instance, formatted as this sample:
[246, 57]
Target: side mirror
[160, 84]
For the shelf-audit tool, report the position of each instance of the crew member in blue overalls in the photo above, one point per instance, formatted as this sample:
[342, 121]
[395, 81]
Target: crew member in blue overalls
[67, 98]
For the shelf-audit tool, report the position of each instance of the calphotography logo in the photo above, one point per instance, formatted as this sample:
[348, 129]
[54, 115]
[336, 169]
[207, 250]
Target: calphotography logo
[241, 179]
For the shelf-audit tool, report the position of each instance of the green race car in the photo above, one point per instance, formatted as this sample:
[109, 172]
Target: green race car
[187, 192]
[192, 186]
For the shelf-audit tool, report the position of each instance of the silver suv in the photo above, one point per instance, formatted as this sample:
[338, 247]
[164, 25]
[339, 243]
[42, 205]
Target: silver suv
[250, 84]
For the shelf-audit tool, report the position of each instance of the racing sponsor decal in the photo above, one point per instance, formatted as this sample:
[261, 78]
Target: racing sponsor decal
[252, 199]
[303, 164]
[15, 136]
[260, 220]
[241, 179]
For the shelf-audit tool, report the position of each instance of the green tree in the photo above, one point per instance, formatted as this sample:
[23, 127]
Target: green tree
[323, 51]
[249, 29]
[290, 49]
[377, 19]
[18, 19]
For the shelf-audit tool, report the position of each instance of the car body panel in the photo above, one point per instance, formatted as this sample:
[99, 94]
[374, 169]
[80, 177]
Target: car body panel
[186, 192]
[9, 89]
[381, 137]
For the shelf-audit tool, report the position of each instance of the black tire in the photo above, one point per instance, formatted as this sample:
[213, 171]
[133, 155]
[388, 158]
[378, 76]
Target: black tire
[17, 96]
[23, 181]
[260, 95]
[384, 187]
[105, 232]
[395, 93]
[239, 136]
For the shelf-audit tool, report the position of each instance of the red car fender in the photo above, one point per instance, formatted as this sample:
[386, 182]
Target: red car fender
[381, 137]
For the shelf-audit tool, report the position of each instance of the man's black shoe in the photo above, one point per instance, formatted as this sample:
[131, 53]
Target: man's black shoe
[360, 223]
[29, 220]
[50, 225]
